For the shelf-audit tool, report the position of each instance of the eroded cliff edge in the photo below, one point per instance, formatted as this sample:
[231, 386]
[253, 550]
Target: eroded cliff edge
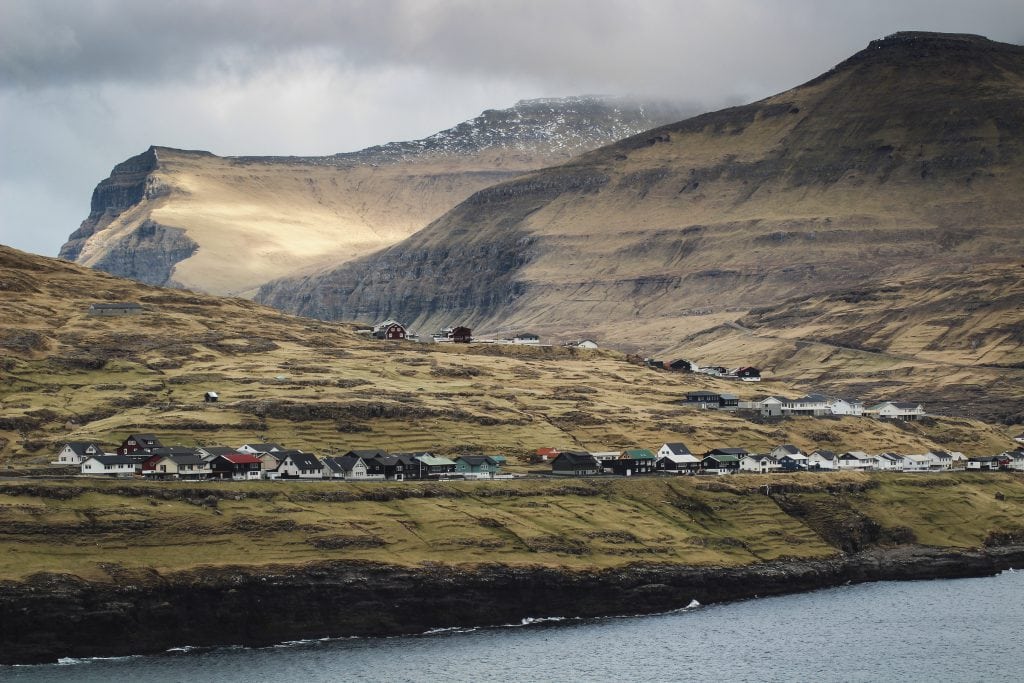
[49, 616]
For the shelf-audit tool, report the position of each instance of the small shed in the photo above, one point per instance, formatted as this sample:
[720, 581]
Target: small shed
[211, 397]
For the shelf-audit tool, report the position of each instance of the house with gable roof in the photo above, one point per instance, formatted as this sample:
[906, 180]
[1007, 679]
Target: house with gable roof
[575, 463]
[895, 410]
[299, 465]
[110, 465]
[236, 466]
[74, 452]
[476, 466]
[762, 464]
[139, 443]
[822, 459]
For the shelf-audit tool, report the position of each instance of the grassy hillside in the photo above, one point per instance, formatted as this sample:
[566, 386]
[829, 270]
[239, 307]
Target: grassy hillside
[103, 530]
[871, 208]
[321, 387]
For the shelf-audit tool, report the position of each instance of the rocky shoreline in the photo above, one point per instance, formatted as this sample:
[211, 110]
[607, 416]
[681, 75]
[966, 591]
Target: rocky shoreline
[49, 616]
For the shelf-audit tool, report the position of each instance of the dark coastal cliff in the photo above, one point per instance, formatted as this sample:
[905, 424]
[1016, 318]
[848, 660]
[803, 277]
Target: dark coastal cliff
[51, 616]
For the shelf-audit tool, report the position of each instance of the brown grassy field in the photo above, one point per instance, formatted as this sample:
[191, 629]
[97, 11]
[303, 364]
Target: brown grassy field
[101, 530]
[322, 387]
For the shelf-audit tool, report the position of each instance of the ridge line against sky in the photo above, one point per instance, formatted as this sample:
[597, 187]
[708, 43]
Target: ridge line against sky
[85, 85]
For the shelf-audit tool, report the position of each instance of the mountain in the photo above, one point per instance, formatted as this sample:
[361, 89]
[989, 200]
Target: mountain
[898, 169]
[226, 225]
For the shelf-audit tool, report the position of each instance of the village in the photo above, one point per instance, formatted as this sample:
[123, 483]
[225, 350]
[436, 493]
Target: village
[145, 456]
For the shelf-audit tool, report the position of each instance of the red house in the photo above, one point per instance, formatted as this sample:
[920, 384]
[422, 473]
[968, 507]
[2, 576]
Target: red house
[389, 329]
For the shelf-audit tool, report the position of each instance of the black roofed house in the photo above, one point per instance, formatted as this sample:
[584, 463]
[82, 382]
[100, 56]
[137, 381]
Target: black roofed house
[115, 309]
[748, 374]
[299, 465]
[984, 462]
[673, 449]
[822, 460]
[680, 365]
[462, 335]
[575, 463]
[74, 452]
[236, 466]
[526, 338]
[139, 443]
[348, 466]
[728, 402]
[707, 400]
[393, 466]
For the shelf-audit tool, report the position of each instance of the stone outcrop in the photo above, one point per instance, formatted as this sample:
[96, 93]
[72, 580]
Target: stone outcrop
[50, 616]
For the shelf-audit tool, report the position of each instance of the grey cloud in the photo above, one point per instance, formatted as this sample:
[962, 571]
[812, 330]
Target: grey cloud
[86, 83]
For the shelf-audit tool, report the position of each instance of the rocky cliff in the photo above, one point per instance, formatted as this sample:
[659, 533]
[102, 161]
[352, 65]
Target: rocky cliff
[226, 225]
[149, 613]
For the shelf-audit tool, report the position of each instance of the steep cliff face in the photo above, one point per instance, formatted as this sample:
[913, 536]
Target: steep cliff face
[127, 186]
[901, 161]
[146, 613]
[251, 219]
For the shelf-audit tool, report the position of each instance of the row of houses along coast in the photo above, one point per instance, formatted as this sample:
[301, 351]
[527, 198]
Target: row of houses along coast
[143, 455]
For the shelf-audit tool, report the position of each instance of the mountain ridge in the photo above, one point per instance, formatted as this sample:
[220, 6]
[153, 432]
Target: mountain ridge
[227, 224]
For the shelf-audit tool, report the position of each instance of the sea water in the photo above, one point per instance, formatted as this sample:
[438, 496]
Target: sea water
[935, 631]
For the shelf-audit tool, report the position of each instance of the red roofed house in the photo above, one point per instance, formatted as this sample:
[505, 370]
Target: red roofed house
[237, 466]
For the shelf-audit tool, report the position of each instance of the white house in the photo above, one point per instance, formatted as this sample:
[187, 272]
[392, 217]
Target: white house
[986, 462]
[74, 452]
[788, 449]
[892, 410]
[673, 449]
[890, 461]
[109, 465]
[822, 460]
[771, 406]
[840, 406]
[917, 462]
[257, 448]
[942, 460]
[759, 463]
[856, 460]
[297, 465]
[1016, 460]
[1019, 438]
[526, 338]
[812, 404]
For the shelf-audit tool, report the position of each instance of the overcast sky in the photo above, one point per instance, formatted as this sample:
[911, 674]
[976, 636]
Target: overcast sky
[86, 84]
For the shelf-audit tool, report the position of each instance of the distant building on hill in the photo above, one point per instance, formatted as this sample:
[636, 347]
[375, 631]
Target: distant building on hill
[120, 308]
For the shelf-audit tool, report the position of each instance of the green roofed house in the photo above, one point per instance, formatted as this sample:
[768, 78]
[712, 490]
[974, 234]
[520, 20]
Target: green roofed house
[435, 467]
[476, 466]
[720, 464]
[632, 461]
